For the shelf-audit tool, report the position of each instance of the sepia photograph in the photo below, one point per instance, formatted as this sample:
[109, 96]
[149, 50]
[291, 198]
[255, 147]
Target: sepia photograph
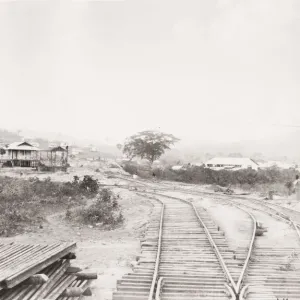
[149, 149]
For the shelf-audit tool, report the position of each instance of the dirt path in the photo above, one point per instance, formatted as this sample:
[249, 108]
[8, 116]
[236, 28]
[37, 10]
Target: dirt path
[109, 253]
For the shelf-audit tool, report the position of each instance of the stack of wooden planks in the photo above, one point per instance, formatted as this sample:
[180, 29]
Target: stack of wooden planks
[41, 272]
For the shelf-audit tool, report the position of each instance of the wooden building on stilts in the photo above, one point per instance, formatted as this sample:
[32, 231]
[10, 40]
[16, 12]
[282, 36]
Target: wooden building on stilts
[20, 154]
[24, 154]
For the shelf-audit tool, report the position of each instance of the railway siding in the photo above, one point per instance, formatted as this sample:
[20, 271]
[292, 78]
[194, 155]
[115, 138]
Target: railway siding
[272, 272]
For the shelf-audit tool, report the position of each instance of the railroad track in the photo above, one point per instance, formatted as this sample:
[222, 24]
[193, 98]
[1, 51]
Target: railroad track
[187, 259]
[273, 272]
[267, 273]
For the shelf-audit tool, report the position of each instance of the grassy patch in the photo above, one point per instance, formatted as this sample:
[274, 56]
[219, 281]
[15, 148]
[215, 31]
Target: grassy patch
[24, 203]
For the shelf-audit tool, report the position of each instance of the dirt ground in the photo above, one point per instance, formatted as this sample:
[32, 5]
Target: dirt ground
[108, 253]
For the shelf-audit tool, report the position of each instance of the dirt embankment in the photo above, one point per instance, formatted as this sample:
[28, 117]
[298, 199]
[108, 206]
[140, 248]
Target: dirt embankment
[109, 253]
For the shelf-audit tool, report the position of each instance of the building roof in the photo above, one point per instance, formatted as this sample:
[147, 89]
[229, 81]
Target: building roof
[58, 149]
[177, 168]
[22, 146]
[231, 161]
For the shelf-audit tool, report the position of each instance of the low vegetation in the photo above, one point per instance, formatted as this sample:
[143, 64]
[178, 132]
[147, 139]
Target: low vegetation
[262, 180]
[104, 211]
[24, 203]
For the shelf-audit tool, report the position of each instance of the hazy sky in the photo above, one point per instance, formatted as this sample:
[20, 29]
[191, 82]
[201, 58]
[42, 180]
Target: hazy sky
[203, 69]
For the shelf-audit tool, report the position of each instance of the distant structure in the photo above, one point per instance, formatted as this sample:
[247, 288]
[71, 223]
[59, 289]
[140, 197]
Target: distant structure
[54, 159]
[231, 163]
[177, 168]
[20, 154]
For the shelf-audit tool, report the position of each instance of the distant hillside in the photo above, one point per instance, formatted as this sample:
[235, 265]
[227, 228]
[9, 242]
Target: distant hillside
[285, 148]
[8, 137]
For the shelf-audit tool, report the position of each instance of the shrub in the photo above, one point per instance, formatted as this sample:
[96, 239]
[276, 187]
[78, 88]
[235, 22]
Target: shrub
[89, 184]
[105, 210]
[130, 168]
[157, 172]
[289, 185]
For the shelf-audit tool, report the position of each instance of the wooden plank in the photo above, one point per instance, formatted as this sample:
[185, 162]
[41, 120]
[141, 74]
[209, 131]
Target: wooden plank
[46, 288]
[34, 266]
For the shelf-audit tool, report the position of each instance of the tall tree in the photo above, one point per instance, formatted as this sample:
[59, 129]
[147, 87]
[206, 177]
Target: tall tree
[150, 145]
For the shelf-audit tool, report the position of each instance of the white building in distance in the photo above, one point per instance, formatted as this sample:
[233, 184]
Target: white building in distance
[231, 163]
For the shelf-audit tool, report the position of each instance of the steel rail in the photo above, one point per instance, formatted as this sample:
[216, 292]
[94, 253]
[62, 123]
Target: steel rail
[276, 214]
[295, 211]
[159, 287]
[155, 274]
[262, 202]
[296, 226]
[214, 246]
[245, 289]
[244, 292]
[225, 197]
[251, 247]
[230, 292]
[286, 219]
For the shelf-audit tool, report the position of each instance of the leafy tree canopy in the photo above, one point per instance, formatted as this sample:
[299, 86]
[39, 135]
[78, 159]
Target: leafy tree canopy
[150, 145]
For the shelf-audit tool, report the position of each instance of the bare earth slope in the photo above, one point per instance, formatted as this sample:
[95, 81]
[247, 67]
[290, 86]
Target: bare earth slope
[109, 253]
